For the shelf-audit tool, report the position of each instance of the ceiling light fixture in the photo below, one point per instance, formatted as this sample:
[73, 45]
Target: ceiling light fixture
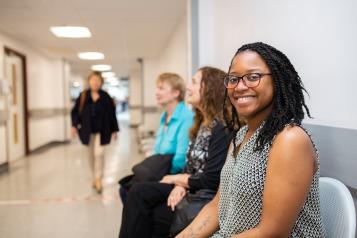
[91, 55]
[71, 31]
[101, 67]
[108, 74]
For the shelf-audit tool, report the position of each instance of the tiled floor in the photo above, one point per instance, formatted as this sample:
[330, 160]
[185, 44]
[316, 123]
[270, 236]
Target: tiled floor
[49, 194]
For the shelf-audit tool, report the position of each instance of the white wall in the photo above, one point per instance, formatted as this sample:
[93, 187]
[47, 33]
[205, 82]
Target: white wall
[173, 58]
[135, 97]
[45, 85]
[318, 36]
[46, 89]
[151, 70]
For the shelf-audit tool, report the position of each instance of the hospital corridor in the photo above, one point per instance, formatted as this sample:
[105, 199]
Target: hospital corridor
[178, 118]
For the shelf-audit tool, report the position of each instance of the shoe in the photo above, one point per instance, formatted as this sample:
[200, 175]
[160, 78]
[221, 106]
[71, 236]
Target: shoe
[98, 185]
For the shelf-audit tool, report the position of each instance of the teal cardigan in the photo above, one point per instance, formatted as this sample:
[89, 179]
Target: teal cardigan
[175, 139]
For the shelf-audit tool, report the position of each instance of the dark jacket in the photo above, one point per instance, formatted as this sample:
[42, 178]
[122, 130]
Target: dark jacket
[107, 119]
[217, 153]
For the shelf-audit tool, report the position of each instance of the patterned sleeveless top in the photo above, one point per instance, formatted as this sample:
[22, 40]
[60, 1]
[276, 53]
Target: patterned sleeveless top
[197, 152]
[241, 193]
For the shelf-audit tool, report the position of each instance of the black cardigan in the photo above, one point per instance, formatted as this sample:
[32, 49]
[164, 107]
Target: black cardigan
[217, 153]
[107, 118]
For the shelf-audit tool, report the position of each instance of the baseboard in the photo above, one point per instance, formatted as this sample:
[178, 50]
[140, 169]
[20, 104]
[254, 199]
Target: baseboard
[49, 146]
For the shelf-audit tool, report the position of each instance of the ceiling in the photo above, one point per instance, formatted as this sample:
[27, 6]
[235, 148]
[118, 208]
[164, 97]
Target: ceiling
[123, 30]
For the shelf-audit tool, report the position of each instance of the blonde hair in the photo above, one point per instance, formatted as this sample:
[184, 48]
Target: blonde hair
[175, 81]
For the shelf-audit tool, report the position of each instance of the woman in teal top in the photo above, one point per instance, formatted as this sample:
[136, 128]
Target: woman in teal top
[175, 122]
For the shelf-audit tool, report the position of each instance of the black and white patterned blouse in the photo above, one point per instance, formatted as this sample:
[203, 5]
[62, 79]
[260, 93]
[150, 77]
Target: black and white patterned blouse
[241, 193]
[206, 156]
[198, 150]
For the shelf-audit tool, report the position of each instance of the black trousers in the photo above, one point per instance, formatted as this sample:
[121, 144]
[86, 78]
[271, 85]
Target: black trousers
[145, 212]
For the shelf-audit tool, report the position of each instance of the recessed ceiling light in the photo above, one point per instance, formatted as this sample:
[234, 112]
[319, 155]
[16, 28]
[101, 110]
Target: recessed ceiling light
[91, 55]
[71, 31]
[101, 67]
[108, 74]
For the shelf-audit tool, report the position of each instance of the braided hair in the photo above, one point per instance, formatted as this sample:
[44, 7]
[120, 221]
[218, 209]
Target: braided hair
[288, 101]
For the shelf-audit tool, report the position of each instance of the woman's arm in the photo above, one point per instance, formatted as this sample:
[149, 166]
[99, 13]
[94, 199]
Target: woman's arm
[75, 112]
[289, 176]
[112, 108]
[209, 178]
[206, 222]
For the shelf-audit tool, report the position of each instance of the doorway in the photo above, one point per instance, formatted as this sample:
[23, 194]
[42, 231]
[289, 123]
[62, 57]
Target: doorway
[17, 123]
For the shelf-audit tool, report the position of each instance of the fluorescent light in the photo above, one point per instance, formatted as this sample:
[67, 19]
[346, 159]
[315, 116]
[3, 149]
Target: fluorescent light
[71, 31]
[91, 55]
[101, 67]
[113, 81]
[108, 74]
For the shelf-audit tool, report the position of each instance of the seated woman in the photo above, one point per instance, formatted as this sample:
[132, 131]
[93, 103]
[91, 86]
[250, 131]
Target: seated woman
[269, 184]
[148, 211]
[176, 120]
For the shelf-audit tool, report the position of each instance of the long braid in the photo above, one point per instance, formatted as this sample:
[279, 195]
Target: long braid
[288, 101]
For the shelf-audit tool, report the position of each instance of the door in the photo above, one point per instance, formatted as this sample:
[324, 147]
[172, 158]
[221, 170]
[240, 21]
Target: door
[15, 107]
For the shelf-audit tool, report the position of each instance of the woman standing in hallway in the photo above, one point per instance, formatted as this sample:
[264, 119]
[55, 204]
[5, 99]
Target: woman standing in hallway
[270, 182]
[149, 208]
[94, 120]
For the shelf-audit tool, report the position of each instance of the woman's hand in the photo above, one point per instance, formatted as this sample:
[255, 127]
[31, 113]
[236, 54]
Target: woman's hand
[175, 197]
[74, 132]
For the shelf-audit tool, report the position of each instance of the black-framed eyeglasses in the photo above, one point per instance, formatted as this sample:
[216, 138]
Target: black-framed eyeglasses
[250, 80]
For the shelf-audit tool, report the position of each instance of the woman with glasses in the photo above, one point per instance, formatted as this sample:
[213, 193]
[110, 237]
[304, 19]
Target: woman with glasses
[269, 184]
[149, 208]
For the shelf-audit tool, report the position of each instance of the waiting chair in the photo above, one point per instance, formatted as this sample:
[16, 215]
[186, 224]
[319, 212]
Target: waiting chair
[337, 208]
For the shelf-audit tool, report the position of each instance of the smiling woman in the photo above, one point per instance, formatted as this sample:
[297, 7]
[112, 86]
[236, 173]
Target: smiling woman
[269, 183]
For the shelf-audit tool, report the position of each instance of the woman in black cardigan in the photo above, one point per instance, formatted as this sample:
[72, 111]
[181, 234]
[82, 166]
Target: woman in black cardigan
[149, 207]
[94, 120]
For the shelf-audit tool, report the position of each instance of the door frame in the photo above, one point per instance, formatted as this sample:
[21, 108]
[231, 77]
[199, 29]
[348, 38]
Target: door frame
[9, 51]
